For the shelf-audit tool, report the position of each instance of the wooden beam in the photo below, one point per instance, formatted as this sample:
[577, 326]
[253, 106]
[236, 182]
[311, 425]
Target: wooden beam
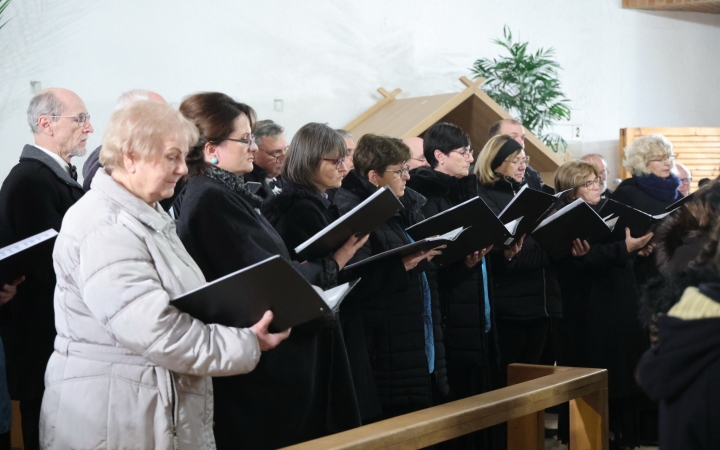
[441, 423]
[387, 98]
[706, 6]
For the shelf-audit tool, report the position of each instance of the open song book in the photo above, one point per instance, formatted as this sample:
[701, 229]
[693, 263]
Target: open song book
[639, 223]
[483, 229]
[577, 220]
[529, 207]
[360, 221]
[20, 258]
[241, 298]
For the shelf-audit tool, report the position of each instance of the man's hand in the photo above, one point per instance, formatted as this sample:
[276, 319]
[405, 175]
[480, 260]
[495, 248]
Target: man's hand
[9, 290]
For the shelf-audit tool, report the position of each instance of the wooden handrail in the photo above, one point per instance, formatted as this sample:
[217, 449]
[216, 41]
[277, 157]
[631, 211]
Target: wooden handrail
[538, 387]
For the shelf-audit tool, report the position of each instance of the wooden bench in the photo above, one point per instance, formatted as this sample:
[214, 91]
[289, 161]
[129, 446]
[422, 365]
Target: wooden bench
[532, 389]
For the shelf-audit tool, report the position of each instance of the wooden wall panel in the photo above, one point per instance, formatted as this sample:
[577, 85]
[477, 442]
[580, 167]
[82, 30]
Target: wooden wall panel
[706, 6]
[696, 147]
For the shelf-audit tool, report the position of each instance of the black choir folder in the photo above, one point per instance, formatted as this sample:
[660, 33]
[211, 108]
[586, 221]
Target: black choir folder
[405, 250]
[577, 220]
[638, 222]
[483, 230]
[360, 221]
[688, 198]
[20, 258]
[529, 206]
[241, 298]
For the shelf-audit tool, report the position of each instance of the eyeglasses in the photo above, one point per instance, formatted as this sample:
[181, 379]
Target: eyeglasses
[249, 142]
[518, 161]
[669, 158]
[464, 152]
[80, 119]
[687, 180]
[420, 159]
[277, 154]
[403, 171]
[589, 184]
[337, 161]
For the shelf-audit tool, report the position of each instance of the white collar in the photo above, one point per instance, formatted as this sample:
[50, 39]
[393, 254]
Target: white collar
[55, 156]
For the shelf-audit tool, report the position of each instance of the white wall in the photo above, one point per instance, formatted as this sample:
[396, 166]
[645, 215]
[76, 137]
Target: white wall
[325, 59]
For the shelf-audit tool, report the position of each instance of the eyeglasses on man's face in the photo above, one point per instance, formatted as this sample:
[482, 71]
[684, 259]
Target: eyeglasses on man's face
[686, 181]
[81, 119]
[277, 154]
[465, 152]
[591, 183]
[402, 171]
[337, 161]
[664, 159]
[519, 160]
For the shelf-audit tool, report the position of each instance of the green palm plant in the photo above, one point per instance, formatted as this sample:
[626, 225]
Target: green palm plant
[3, 4]
[527, 86]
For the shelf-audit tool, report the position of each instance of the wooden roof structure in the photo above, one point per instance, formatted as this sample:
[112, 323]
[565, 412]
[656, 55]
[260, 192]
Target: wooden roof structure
[471, 109]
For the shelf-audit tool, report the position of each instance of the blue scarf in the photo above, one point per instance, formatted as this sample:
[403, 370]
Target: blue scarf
[427, 319]
[663, 189]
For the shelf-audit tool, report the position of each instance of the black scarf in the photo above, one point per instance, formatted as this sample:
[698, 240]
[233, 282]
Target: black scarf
[235, 183]
[508, 183]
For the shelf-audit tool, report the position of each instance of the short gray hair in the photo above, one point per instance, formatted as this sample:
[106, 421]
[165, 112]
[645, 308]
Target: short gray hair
[639, 153]
[266, 128]
[130, 97]
[308, 147]
[44, 104]
[344, 133]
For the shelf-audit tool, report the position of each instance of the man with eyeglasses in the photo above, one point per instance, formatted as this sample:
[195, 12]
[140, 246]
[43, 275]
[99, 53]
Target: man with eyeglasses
[599, 161]
[685, 178]
[34, 197]
[515, 130]
[418, 158]
[272, 148]
[350, 143]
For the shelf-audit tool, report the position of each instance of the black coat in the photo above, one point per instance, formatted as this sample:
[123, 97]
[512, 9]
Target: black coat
[259, 175]
[392, 317]
[462, 302]
[34, 197]
[526, 287]
[600, 311]
[682, 372]
[300, 390]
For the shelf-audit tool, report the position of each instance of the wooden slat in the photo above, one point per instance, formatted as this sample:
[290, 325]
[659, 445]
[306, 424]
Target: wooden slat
[444, 422]
[387, 98]
[706, 6]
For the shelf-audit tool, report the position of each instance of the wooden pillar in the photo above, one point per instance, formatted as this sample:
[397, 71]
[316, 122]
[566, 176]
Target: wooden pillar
[589, 422]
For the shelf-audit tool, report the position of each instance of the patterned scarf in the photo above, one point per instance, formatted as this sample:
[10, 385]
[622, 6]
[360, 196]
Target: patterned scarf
[234, 182]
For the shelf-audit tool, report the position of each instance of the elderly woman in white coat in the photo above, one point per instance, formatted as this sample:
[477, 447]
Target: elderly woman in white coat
[129, 370]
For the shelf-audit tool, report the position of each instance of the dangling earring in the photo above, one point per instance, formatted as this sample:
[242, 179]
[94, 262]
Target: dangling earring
[214, 161]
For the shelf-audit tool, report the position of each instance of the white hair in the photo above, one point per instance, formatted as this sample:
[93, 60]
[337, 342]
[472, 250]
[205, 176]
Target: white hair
[642, 150]
[44, 104]
[130, 97]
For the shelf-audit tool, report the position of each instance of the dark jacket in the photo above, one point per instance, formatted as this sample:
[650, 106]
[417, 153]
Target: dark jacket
[393, 317]
[34, 197]
[682, 372]
[461, 288]
[259, 175]
[90, 167]
[600, 311]
[525, 287]
[629, 193]
[300, 390]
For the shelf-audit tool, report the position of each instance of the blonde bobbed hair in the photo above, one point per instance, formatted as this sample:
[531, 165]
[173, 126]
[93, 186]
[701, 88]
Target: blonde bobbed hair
[482, 168]
[144, 128]
[572, 174]
[642, 150]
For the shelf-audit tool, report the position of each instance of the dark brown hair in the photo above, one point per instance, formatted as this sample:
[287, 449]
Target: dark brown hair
[214, 114]
[375, 152]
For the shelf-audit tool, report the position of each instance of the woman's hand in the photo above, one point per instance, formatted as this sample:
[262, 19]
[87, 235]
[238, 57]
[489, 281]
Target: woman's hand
[267, 340]
[646, 251]
[347, 251]
[637, 244]
[9, 290]
[515, 249]
[580, 248]
[472, 260]
[411, 261]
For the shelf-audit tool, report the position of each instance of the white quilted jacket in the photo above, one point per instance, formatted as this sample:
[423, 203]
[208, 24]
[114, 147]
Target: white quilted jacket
[129, 370]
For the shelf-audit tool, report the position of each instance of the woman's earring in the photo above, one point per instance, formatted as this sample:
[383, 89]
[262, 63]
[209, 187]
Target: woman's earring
[214, 161]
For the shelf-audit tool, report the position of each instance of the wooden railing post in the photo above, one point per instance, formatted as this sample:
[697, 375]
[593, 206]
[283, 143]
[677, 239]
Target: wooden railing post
[589, 421]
